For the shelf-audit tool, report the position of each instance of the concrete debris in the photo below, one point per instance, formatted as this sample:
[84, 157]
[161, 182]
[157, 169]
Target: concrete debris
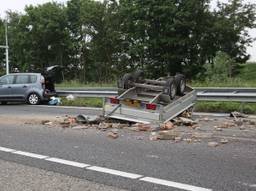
[226, 125]
[242, 127]
[118, 125]
[112, 135]
[68, 122]
[184, 121]
[153, 136]
[104, 126]
[217, 128]
[213, 144]
[91, 119]
[223, 141]
[167, 126]
[236, 115]
[49, 123]
[80, 127]
[45, 122]
[165, 135]
[195, 126]
[141, 127]
[178, 139]
[238, 122]
[186, 114]
[70, 97]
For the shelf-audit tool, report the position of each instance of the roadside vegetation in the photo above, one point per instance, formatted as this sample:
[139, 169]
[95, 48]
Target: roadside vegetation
[96, 42]
[82, 102]
[200, 106]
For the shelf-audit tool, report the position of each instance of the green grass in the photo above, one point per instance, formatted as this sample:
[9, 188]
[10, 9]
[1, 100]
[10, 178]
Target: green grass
[77, 84]
[245, 78]
[82, 102]
[225, 107]
[201, 106]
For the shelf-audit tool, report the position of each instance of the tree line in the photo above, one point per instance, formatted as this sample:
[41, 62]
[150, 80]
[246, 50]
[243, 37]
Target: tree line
[98, 41]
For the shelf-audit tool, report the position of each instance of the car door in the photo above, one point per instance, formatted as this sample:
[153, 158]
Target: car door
[6, 83]
[20, 86]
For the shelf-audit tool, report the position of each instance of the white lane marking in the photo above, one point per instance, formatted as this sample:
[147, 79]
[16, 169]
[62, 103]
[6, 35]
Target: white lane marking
[173, 184]
[67, 162]
[32, 155]
[6, 149]
[114, 172]
[109, 171]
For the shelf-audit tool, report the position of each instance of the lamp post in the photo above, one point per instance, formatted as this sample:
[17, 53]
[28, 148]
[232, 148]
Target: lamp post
[6, 48]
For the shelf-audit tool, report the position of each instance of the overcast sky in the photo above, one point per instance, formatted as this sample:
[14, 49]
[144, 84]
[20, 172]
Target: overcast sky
[19, 5]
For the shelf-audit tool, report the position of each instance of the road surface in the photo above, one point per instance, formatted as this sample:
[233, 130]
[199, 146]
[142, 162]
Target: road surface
[89, 159]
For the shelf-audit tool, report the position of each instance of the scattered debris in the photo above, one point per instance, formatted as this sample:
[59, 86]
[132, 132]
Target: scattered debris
[70, 97]
[80, 127]
[141, 127]
[223, 141]
[49, 123]
[226, 125]
[217, 128]
[213, 144]
[90, 119]
[184, 121]
[178, 139]
[112, 135]
[54, 101]
[167, 126]
[167, 135]
[44, 122]
[242, 127]
[236, 115]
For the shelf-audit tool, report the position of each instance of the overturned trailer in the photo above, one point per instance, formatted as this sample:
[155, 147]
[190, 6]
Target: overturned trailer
[149, 101]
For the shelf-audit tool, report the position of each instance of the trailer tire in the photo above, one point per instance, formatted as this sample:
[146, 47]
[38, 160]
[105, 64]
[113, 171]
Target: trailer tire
[138, 76]
[170, 87]
[126, 80]
[180, 83]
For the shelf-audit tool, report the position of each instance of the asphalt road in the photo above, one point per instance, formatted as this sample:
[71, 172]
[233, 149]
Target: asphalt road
[194, 166]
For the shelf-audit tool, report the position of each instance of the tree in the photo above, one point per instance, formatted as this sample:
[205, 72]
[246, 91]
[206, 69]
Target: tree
[232, 21]
[166, 36]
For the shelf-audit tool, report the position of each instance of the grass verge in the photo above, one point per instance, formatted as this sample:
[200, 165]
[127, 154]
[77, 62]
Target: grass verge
[82, 102]
[200, 106]
[225, 107]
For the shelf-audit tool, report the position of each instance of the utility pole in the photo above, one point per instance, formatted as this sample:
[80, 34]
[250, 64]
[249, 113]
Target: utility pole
[6, 48]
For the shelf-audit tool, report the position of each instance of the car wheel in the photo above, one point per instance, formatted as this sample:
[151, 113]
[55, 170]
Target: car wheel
[181, 84]
[4, 102]
[33, 99]
[126, 80]
[170, 88]
[138, 76]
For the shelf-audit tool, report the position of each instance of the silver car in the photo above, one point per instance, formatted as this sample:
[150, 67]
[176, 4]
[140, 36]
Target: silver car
[31, 88]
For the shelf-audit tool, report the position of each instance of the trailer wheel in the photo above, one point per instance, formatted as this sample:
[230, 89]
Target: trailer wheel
[170, 88]
[180, 83]
[138, 76]
[126, 80]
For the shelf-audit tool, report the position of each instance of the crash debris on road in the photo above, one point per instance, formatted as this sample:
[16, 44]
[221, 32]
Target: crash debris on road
[213, 131]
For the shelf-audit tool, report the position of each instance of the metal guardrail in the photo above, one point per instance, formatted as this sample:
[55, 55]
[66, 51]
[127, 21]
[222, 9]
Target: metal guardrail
[204, 94]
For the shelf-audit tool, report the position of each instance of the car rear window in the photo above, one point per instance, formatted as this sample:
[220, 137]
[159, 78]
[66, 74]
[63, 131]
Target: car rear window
[33, 79]
[22, 79]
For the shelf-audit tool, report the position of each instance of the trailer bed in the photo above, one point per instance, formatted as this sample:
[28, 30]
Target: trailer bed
[146, 110]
